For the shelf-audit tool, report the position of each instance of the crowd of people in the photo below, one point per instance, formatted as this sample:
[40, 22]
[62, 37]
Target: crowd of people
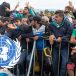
[56, 33]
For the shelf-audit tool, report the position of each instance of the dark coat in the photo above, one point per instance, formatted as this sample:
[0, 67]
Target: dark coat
[63, 31]
[2, 9]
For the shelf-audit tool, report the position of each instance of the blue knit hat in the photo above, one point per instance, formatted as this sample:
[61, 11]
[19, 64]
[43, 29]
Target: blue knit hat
[14, 15]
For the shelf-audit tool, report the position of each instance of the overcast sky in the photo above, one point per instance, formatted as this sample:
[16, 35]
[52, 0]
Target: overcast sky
[41, 4]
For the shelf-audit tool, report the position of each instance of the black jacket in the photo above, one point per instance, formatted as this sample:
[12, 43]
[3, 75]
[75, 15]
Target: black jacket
[3, 11]
[63, 31]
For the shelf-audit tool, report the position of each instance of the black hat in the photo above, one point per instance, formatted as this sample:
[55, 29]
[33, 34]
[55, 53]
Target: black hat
[17, 19]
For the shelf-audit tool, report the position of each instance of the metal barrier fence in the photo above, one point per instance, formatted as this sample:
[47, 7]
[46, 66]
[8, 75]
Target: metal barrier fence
[31, 67]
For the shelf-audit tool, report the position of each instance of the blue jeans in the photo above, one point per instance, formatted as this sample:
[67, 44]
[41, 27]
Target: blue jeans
[62, 63]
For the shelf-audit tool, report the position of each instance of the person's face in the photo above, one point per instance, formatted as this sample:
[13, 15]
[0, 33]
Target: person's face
[26, 11]
[24, 20]
[18, 22]
[49, 15]
[34, 23]
[58, 18]
[68, 9]
[74, 21]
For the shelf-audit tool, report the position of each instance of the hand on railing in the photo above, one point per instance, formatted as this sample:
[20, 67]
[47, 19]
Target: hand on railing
[51, 39]
[35, 38]
[59, 39]
[27, 40]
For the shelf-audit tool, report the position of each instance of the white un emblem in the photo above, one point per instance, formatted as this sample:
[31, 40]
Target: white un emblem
[10, 52]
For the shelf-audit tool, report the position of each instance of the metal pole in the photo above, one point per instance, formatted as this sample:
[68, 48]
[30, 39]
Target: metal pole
[27, 56]
[42, 60]
[59, 58]
[28, 73]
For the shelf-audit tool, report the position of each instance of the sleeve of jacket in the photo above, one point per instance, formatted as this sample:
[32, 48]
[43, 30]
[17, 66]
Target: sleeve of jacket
[28, 32]
[67, 36]
[50, 29]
